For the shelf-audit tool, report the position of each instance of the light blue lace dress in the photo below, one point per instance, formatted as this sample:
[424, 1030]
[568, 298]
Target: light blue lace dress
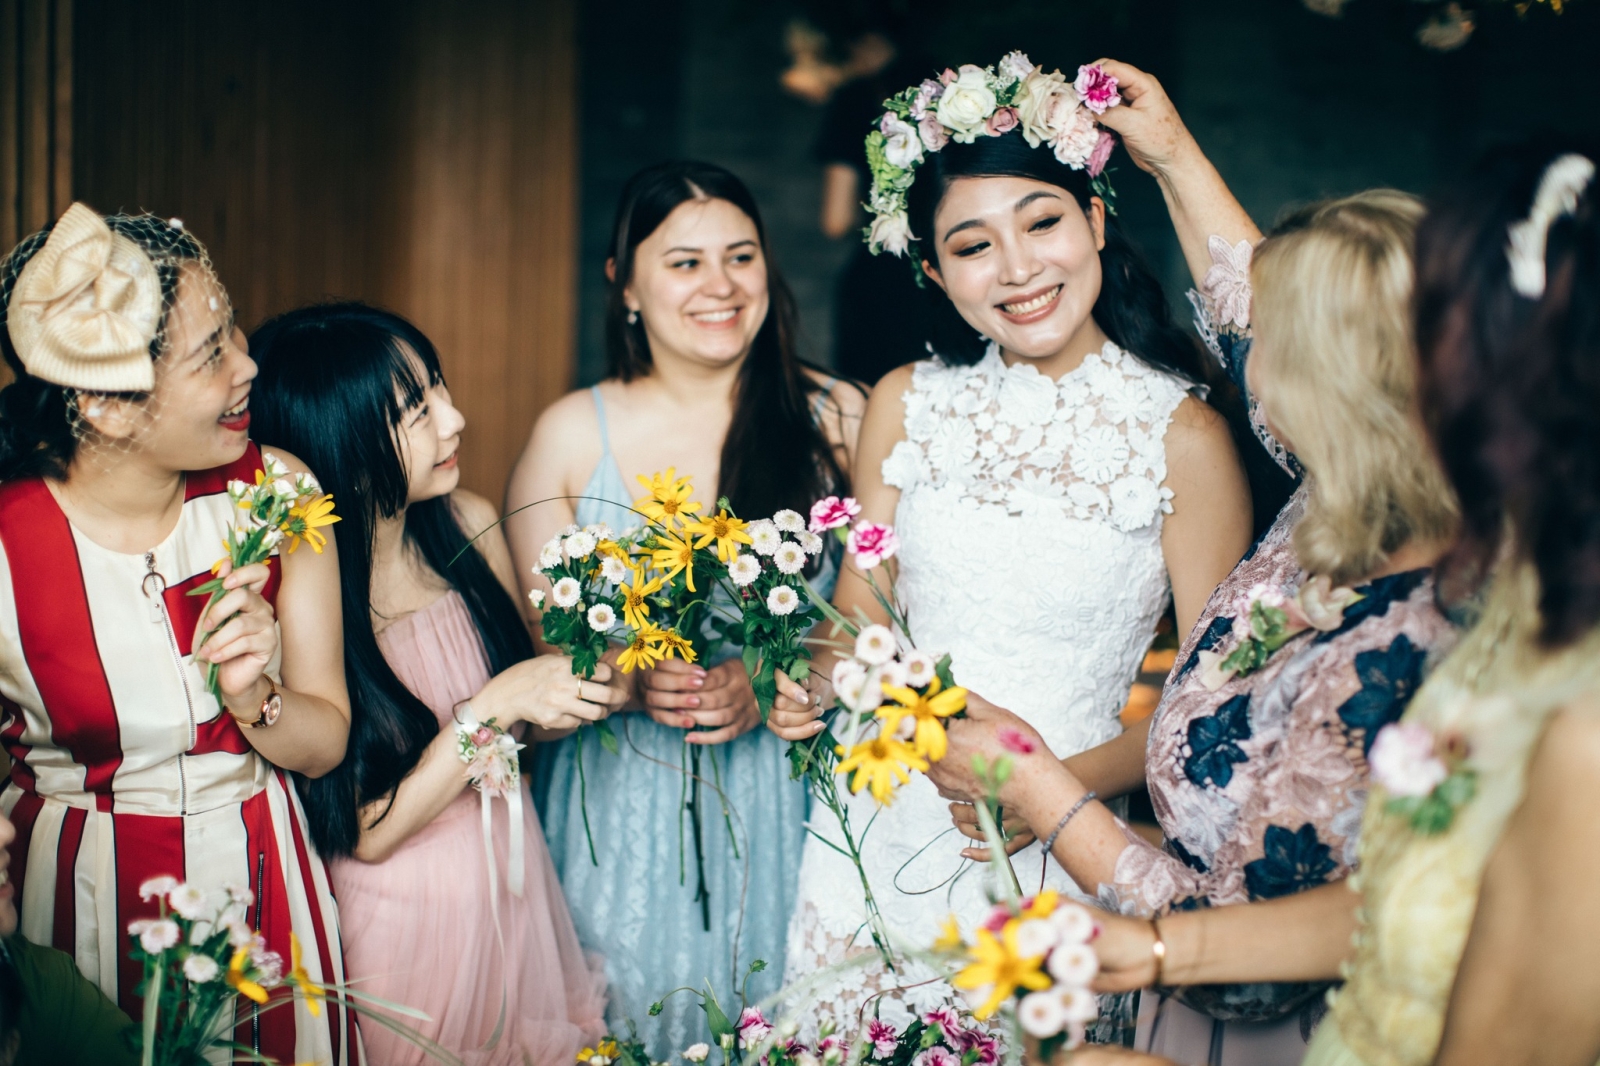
[638, 906]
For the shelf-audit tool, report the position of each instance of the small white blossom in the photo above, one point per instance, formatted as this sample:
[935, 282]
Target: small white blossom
[809, 542]
[571, 528]
[614, 570]
[201, 969]
[893, 673]
[566, 592]
[1078, 1004]
[1036, 936]
[858, 690]
[789, 521]
[1403, 761]
[782, 600]
[156, 934]
[272, 467]
[550, 554]
[306, 485]
[696, 1052]
[744, 569]
[920, 669]
[602, 618]
[239, 934]
[1074, 964]
[240, 491]
[764, 536]
[790, 558]
[579, 545]
[600, 531]
[875, 645]
[158, 886]
[536, 597]
[189, 901]
[1074, 923]
[1042, 1014]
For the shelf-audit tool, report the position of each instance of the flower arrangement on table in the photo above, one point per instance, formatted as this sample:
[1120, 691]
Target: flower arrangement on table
[280, 510]
[200, 958]
[971, 102]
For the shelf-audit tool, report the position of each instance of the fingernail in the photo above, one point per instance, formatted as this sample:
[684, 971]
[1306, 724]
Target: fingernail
[688, 723]
[694, 701]
[697, 682]
[816, 727]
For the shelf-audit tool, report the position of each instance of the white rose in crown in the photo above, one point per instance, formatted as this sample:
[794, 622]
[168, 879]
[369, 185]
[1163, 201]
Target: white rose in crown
[967, 104]
[1047, 105]
[902, 144]
[892, 232]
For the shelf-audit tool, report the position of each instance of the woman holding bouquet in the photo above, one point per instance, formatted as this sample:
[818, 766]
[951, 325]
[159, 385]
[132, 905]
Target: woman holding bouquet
[1258, 769]
[1052, 479]
[127, 419]
[464, 923]
[704, 379]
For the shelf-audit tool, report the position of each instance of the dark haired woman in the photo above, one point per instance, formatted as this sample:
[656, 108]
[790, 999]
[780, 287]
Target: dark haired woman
[430, 919]
[703, 378]
[127, 419]
[1053, 483]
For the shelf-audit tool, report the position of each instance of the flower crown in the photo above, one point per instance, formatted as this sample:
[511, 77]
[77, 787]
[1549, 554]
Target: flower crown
[963, 105]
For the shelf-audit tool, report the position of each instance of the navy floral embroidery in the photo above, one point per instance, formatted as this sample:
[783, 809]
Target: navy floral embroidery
[1377, 598]
[1290, 862]
[1213, 747]
[1187, 857]
[1218, 629]
[1389, 678]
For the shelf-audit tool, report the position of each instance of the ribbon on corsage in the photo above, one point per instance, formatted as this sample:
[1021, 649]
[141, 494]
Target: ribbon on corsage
[1266, 618]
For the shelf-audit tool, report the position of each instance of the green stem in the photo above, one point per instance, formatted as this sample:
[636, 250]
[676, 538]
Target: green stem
[583, 797]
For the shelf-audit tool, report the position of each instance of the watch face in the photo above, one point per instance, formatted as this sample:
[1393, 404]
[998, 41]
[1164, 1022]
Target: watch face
[271, 708]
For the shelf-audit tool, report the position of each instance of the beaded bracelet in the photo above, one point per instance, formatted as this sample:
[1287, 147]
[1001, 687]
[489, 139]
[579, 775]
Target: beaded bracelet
[1050, 841]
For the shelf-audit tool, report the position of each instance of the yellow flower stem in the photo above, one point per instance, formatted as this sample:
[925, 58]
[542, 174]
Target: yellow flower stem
[825, 787]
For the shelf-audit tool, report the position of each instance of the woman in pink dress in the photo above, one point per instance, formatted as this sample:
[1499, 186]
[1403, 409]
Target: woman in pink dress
[126, 421]
[441, 912]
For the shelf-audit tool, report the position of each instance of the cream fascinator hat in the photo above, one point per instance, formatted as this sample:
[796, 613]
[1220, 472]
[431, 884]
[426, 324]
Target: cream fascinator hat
[86, 308]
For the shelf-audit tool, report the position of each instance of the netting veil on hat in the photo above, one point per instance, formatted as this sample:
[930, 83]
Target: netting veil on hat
[86, 307]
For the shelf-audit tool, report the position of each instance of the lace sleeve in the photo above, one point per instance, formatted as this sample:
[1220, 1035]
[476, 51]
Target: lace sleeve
[1222, 318]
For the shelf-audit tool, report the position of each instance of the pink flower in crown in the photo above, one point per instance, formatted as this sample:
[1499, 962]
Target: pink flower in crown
[1004, 120]
[1015, 740]
[1101, 154]
[871, 543]
[752, 1026]
[884, 1037]
[833, 512]
[948, 77]
[1097, 88]
[927, 93]
[1077, 139]
[946, 1021]
[934, 135]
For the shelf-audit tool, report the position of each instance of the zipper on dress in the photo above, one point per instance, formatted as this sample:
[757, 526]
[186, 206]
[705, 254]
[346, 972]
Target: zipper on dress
[153, 586]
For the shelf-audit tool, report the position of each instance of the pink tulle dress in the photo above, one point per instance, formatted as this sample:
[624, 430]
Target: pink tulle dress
[418, 927]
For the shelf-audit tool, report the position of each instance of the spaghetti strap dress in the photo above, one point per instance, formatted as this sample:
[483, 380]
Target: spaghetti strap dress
[637, 903]
[427, 927]
[124, 767]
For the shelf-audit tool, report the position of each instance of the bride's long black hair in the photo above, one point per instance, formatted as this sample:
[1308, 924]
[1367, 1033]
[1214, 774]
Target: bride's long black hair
[1132, 309]
[334, 384]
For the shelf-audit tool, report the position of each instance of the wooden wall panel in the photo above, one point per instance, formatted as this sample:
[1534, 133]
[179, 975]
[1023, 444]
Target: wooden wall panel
[489, 193]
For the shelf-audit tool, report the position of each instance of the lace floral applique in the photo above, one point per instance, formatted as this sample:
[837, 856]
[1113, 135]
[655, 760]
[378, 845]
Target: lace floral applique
[1090, 446]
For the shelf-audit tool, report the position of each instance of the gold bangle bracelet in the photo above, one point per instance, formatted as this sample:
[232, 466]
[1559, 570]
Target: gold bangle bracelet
[1159, 951]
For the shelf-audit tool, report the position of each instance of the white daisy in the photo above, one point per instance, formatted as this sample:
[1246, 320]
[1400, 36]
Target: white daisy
[201, 969]
[1074, 964]
[536, 597]
[789, 521]
[789, 558]
[744, 569]
[810, 543]
[189, 901]
[566, 592]
[614, 570]
[919, 668]
[572, 527]
[858, 690]
[1078, 1004]
[782, 600]
[875, 645]
[764, 536]
[602, 618]
[1075, 923]
[1042, 1014]
[893, 674]
[550, 554]
[1036, 936]
[578, 546]
[600, 531]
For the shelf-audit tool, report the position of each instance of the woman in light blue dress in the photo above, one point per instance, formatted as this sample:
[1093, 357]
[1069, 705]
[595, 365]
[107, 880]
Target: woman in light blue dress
[687, 886]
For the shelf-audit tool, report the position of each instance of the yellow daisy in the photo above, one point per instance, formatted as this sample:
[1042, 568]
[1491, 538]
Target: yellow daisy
[722, 527]
[643, 652]
[299, 977]
[239, 981]
[668, 501]
[635, 608]
[305, 519]
[949, 935]
[998, 966]
[881, 762]
[930, 739]
[673, 642]
[675, 555]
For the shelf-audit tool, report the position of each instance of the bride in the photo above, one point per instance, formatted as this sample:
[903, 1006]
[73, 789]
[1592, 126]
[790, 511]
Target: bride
[1051, 473]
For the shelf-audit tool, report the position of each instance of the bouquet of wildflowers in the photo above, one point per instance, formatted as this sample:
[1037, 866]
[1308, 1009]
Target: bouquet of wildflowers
[280, 509]
[200, 958]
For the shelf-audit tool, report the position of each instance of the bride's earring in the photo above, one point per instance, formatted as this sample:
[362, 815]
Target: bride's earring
[633, 318]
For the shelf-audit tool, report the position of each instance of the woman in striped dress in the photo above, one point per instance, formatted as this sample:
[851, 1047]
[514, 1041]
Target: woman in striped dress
[125, 423]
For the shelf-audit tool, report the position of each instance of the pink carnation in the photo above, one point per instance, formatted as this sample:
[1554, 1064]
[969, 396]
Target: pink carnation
[946, 1021]
[885, 1038]
[753, 1027]
[1004, 120]
[1101, 154]
[936, 1056]
[1015, 740]
[981, 1042]
[872, 543]
[1097, 89]
[831, 513]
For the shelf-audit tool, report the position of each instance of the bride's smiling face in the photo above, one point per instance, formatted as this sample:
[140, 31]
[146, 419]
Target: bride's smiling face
[1020, 259]
[700, 283]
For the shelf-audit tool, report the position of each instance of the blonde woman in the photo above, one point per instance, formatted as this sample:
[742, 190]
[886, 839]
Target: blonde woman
[1256, 756]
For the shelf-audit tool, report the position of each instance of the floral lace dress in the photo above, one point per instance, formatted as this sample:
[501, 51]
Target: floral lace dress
[1259, 785]
[1030, 521]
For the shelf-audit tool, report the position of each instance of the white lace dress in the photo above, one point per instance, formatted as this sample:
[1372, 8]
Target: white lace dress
[1030, 523]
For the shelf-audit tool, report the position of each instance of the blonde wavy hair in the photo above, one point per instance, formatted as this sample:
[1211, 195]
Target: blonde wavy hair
[1335, 369]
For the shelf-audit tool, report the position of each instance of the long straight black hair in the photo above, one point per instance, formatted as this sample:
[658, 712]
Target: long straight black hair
[775, 454]
[1131, 308]
[335, 383]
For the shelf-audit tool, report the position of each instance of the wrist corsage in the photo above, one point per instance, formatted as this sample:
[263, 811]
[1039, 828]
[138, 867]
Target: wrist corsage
[1427, 778]
[1265, 619]
[491, 757]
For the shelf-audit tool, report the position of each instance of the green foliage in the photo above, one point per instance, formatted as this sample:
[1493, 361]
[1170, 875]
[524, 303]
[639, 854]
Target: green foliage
[1432, 814]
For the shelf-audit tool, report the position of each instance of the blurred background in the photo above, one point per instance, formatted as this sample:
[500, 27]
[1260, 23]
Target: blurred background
[459, 160]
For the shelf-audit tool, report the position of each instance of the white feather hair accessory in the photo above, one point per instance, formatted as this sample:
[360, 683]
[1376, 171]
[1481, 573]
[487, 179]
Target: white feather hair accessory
[1563, 182]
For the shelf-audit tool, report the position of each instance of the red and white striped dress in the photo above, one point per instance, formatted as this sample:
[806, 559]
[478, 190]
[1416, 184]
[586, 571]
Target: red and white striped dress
[124, 767]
